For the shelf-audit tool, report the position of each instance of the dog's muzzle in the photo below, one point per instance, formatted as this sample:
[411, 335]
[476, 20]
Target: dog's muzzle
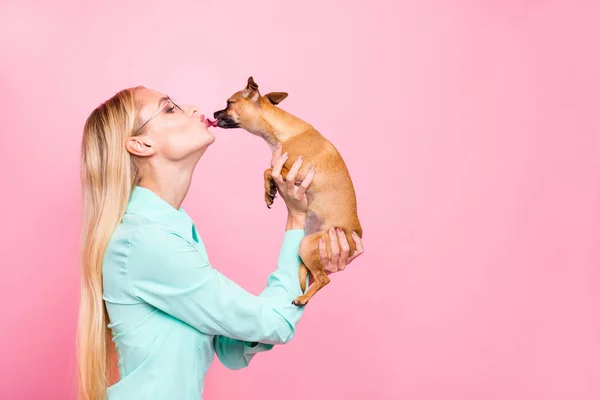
[223, 120]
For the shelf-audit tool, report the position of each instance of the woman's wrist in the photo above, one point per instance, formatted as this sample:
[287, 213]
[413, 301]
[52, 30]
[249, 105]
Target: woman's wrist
[295, 221]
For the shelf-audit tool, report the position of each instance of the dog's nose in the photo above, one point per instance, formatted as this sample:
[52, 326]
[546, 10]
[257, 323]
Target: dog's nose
[217, 114]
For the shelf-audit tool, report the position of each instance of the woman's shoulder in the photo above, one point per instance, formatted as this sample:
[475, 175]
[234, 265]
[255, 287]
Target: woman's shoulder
[137, 244]
[136, 240]
[144, 235]
[138, 231]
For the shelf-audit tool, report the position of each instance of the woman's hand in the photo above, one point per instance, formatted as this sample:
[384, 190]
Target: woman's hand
[294, 196]
[340, 251]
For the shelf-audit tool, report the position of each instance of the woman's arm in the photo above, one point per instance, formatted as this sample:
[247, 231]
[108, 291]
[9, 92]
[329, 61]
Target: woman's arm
[236, 354]
[172, 275]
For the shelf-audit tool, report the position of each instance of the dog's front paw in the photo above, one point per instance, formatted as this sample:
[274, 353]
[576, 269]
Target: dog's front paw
[270, 189]
[269, 199]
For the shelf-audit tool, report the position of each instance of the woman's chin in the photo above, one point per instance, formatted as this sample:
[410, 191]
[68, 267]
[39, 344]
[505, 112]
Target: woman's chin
[210, 138]
[206, 137]
[207, 140]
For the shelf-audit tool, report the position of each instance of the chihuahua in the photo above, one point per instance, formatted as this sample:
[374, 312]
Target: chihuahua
[331, 195]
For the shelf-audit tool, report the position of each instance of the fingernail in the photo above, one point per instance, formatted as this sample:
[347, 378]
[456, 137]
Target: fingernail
[299, 159]
[340, 231]
[284, 155]
[278, 145]
[331, 230]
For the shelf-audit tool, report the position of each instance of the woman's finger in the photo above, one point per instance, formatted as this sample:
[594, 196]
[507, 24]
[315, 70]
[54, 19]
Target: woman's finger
[276, 172]
[345, 249]
[359, 243]
[335, 249]
[276, 154]
[307, 181]
[323, 252]
[359, 247]
[291, 176]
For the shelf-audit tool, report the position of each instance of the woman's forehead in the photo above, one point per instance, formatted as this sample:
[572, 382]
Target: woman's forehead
[149, 100]
[149, 96]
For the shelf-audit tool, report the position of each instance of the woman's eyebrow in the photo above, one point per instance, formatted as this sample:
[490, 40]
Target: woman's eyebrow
[162, 100]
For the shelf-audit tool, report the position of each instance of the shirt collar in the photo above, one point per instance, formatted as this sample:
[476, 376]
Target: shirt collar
[147, 203]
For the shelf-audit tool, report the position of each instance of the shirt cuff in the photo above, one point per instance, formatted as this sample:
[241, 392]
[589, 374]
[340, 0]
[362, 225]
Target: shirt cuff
[288, 255]
[256, 347]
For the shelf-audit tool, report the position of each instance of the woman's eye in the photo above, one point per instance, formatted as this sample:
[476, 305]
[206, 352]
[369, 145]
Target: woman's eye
[170, 109]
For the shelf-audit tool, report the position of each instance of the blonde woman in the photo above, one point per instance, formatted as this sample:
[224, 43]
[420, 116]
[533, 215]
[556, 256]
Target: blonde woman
[151, 302]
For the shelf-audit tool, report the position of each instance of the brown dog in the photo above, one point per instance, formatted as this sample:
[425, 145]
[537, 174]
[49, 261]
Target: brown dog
[331, 196]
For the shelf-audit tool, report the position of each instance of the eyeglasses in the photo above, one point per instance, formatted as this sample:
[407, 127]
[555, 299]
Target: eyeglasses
[169, 101]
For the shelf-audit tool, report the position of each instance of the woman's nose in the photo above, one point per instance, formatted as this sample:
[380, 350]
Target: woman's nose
[191, 110]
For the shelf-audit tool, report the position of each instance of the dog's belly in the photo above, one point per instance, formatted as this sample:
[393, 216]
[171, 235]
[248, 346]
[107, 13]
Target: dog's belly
[313, 222]
[332, 205]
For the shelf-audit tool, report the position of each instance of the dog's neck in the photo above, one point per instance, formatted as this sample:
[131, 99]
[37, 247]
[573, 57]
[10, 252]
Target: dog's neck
[278, 126]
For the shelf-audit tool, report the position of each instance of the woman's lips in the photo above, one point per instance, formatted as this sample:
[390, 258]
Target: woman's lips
[207, 121]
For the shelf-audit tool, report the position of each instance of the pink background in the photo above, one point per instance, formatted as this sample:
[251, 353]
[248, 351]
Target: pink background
[471, 132]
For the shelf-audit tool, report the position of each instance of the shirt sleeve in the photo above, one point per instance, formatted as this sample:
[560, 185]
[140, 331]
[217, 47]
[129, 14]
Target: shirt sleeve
[169, 273]
[236, 354]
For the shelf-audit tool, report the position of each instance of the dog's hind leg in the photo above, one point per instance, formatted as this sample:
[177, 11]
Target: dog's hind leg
[312, 260]
[303, 274]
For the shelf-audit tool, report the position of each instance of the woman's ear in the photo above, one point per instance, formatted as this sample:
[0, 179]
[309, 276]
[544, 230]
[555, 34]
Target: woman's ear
[140, 146]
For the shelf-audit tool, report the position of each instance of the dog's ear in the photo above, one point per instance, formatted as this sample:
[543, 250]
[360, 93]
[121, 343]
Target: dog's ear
[251, 83]
[251, 90]
[276, 97]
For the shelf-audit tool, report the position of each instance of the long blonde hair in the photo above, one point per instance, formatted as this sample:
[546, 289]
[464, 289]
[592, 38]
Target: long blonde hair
[108, 175]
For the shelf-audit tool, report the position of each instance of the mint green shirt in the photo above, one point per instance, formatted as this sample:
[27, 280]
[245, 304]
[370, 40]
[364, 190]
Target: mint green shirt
[170, 311]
